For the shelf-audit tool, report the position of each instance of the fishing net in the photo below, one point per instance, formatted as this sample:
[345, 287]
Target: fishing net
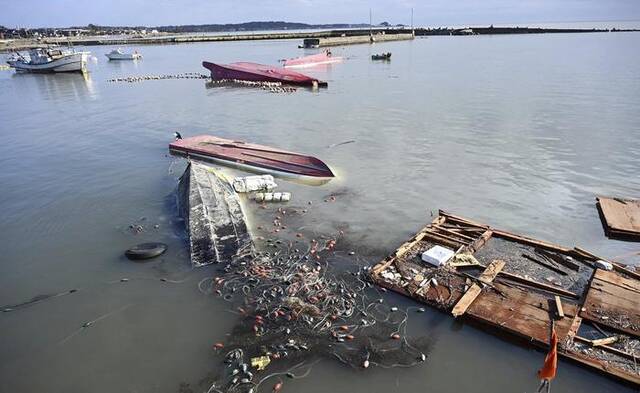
[296, 308]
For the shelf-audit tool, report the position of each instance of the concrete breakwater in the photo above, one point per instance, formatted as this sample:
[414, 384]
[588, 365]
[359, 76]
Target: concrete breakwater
[340, 37]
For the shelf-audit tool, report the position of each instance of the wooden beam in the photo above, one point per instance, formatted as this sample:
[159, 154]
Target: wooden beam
[559, 310]
[465, 301]
[545, 264]
[530, 241]
[481, 241]
[575, 326]
[609, 349]
[604, 341]
[454, 233]
[487, 276]
[539, 285]
[463, 220]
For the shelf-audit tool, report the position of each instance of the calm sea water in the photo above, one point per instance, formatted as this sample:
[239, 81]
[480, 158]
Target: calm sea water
[521, 132]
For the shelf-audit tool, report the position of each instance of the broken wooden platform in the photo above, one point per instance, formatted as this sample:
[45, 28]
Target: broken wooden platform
[620, 217]
[517, 286]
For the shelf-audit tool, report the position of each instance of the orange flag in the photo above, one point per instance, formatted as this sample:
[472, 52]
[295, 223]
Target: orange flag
[548, 370]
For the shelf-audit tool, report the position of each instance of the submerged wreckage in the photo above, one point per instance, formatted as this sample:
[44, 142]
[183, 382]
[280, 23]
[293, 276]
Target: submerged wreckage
[518, 286]
[214, 218]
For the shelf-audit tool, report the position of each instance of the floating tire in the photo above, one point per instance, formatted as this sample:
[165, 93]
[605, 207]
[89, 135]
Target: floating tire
[145, 251]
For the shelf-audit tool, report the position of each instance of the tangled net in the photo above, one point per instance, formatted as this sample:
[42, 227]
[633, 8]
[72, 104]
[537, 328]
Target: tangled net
[295, 309]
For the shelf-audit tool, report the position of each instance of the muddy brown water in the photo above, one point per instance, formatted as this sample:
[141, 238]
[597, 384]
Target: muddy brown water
[520, 132]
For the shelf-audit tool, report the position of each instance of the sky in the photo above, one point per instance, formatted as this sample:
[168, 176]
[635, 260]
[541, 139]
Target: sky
[62, 13]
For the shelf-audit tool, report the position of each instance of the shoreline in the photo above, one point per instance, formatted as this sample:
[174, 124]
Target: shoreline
[156, 39]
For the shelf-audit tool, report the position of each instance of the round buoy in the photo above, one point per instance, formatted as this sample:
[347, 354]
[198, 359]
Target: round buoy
[145, 251]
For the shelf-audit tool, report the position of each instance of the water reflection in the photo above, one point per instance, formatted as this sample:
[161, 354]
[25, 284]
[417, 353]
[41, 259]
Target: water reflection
[74, 86]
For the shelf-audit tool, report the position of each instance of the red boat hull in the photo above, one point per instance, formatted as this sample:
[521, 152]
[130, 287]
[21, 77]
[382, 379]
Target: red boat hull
[259, 73]
[250, 156]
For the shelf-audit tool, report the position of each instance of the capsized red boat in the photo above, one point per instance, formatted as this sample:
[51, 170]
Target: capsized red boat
[259, 73]
[252, 157]
[309, 61]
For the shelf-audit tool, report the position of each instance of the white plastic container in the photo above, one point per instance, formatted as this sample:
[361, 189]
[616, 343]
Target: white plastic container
[254, 183]
[604, 265]
[272, 196]
[437, 255]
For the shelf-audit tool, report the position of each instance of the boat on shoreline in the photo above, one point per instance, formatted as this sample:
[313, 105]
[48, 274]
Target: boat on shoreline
[50, 60]
[325, 57]
[252, 158]
[119, 54]
[260, 73]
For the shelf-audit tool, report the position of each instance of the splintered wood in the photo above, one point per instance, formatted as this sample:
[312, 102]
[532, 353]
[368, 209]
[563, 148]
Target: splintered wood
[620, 217]
[488, 280]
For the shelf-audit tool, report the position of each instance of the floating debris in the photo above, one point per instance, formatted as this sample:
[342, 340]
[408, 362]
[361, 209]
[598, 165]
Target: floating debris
[142, 78]
[273, 87]
[500, 282]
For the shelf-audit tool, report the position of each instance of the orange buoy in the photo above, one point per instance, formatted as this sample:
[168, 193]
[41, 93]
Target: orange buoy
[277, 387]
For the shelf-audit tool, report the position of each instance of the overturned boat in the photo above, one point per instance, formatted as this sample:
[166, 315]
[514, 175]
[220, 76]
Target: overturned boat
[252, 157]
[326, 57]
[213, 216]
[260, 73]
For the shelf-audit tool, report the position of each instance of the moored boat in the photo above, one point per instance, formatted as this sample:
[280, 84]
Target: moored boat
[119, 54]
[50, 60]
[259, 73]
[381, 56]
[252, 157]
[325, 57]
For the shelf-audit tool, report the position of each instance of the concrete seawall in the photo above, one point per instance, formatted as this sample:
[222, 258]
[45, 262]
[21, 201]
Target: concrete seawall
[326, 38]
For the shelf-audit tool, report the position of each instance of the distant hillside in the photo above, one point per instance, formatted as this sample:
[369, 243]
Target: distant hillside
[254, 26]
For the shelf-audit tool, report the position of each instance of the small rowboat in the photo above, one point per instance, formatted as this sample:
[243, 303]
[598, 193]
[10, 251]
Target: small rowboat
[308, 61]
[259, 73]
[252, 157]
[381, 56]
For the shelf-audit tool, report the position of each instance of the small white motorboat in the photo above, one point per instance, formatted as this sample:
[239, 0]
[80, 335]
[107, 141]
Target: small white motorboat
[119, 54]
[53, 59]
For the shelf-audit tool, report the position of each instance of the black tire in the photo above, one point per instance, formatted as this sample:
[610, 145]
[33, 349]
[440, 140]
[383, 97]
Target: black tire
[145, 251]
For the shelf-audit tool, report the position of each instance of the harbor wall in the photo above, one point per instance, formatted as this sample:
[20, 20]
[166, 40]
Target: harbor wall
[328, 37]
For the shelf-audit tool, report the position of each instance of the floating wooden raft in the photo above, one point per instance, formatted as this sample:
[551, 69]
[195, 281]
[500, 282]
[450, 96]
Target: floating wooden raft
[620, 217]
[213, 216]
[516, 285]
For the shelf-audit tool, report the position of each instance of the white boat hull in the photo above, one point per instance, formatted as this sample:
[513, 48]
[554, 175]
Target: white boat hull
[76, 62]
[124, 56]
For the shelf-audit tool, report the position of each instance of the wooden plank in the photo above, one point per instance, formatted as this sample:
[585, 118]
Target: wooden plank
[490, 273]
[620, 214]
[467, 299]
[487, 276]
[476, 245]
[544, 264]
[614, 301]
[538, 285]
[454, 233]
[462, 220]
[609, 349]
[530, 241]
[575, 326]
[521, 313]
[604, 341]
[604, 367]
[559, 310]
[559, 259]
